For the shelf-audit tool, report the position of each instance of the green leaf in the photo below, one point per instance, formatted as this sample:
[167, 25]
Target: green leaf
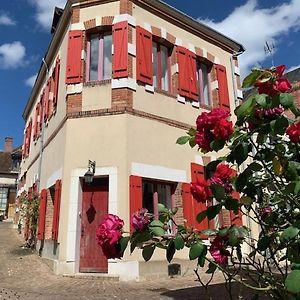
[286, 100]
[192, 132]
[123, 243]
[245, 108]
[280, 125]
[288, 234]
[156, 227]
[148, 252]
[261, 138]
[179, 242]
[201, 216]
[261, 99]
[170, 251]
[264, 243]
[251, 78]
[209, 231]
[217, 145]
[192, 142]
[174, 211]
[232, 204]
[241, 153]
[139, 237]
[295, 266]
[212, 211]
[161, 208]
[297, 188]
[211, 167]
[241, 181]
[292, 282]
[218, 191]
[201, 258]
[211, 268]
[255, 167]
[247, 201]
[183, 140]
[277, 166]
[196, 250]
[233, 237]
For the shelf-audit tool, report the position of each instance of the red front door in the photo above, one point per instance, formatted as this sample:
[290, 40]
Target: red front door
[94, 208]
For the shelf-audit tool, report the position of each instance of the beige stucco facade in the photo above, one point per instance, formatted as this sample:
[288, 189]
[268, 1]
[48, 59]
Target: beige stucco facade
[136, 140]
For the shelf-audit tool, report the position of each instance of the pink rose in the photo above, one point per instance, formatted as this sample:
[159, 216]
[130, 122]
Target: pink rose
[293, 131]
[201, 191]
[109, 230]
[223, 130]
[140, 219]
[218, 251]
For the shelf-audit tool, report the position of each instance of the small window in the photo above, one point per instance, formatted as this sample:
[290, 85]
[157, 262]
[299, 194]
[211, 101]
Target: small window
[204, 83]
[99, 61]
[161, 67]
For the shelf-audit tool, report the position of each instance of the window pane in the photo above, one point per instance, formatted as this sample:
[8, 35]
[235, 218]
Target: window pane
[148, 190]
[154, 51]
[94, 57]
[164, 195]
[164, 68]
[205, 84]
[107, 66]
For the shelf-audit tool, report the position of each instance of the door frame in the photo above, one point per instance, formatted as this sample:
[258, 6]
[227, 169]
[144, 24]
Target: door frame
[74, 208]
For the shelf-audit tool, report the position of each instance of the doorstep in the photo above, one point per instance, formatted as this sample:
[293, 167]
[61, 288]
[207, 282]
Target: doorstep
[95, 276]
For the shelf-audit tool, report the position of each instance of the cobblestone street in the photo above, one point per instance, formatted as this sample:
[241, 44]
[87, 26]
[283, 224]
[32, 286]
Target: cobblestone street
[23, 275]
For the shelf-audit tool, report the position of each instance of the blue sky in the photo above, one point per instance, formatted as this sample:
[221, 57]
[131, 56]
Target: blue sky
[25, 34]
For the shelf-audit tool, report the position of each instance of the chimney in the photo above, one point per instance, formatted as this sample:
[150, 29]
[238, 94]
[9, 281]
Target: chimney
[8, 144]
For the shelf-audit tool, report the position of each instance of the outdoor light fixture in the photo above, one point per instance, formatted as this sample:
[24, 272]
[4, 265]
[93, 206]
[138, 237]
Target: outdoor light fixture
[89, 175]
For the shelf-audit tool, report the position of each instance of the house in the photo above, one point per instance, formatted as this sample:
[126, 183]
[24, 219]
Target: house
[10, 160]
[120, 82]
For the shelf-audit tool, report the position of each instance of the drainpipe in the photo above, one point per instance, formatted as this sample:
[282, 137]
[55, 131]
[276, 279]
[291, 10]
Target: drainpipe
[42, 133]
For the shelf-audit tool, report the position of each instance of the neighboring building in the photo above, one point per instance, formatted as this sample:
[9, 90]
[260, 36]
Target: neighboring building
[126, 79]
[10, 160]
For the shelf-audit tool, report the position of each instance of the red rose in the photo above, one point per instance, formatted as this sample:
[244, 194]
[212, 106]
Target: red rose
[111, 251]
[209, 120]
[283, 85]
[293, 131]
[266, 88]
[224, 171]
[223, 130]
[201, 191]
[203, 140]
[279, 70]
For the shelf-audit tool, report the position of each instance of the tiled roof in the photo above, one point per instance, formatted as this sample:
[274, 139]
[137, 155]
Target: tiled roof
[5, 162]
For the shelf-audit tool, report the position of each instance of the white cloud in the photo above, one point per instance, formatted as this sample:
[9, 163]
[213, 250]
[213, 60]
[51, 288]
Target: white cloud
[6, 20]
[31, 80]
[45, 10]
[12, 55]
[253, 26]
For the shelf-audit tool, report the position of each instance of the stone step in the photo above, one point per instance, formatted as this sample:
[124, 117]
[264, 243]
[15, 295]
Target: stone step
[95, 276]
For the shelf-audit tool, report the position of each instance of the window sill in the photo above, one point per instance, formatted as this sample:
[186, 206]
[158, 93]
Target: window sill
[97, 82]
[165, 93]
[205, 106]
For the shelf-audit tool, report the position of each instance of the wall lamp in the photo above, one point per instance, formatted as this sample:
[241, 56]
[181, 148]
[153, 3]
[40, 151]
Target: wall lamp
[89, 175]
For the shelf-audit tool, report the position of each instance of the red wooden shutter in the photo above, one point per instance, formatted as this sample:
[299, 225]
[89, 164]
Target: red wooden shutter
[187, 65]
[41, 112]
[73, 73]
[55, 83]
[223, 87]
[42, 215]
[46, 101]
[187, 203]
[24, 143]
[135, 195]
[144, 56]
[35, 126]
[29, 136]
[55, 220]
[197, 172]
[120, 57]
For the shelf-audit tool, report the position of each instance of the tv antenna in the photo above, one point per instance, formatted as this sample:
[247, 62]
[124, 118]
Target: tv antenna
[269, 50]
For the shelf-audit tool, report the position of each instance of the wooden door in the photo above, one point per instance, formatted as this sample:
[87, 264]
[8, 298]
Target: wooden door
[94, 208]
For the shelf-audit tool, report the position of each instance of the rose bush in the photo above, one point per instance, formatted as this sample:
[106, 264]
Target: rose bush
[259, 177]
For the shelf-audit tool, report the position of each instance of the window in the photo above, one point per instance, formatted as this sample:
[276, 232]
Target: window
[3, 198]
[203, 72]
[157, 192]
[161, 67]
[99, 61]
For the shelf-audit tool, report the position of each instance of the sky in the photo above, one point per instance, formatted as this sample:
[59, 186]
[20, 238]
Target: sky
[25, 35]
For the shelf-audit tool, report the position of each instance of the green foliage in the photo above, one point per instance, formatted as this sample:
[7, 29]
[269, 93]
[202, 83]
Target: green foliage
[292, 282]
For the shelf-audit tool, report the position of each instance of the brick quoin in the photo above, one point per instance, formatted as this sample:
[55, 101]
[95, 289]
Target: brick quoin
[171, 38]
[126, 7]
[75, 15]
[74, 103]
[156, 31]
[49, 216]
[224, 217]
[130, 34]
[90, 24]
[179, 217]
[199, 52]
[215, 98]
[107, 21]
[210, 57]
[122, 98]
